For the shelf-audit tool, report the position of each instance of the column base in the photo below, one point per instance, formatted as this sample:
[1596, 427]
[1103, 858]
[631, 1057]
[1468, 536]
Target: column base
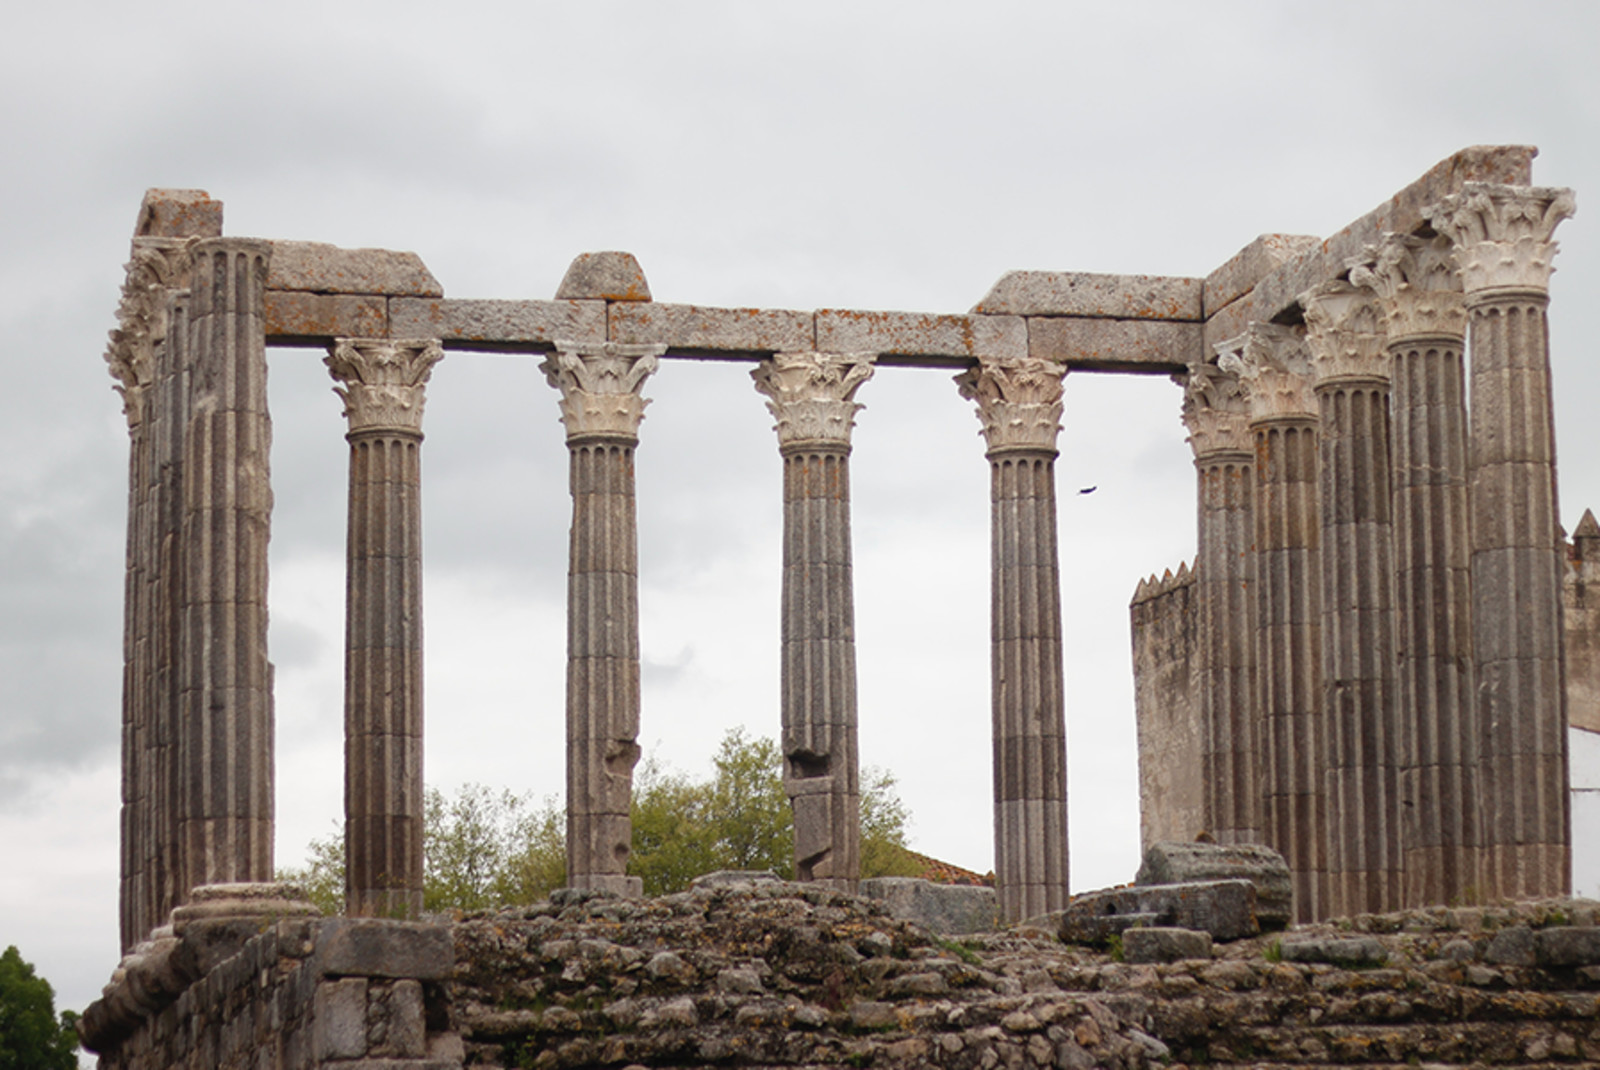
[615, 883]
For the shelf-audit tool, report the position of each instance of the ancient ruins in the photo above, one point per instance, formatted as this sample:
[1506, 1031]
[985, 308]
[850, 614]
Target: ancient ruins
[1369, 655]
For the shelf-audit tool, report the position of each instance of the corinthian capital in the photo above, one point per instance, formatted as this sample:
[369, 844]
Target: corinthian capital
[384, 381]
[1216, 410]
[812, 395]
[1019, 401]
[600, 384]
[1417, 280]
[1274, 366]
[157, 266]
[1502, 234]
[1344, 331]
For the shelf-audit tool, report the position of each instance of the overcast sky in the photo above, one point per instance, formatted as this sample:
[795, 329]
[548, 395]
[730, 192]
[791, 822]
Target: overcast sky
[857, 155]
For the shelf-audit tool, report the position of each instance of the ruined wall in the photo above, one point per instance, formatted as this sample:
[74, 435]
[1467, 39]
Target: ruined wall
[1167, 710]
[1581, 602]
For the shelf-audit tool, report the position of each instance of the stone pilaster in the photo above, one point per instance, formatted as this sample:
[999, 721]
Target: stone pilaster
[383, 392]
[601, 407]
[1364, 746]
[1275, 368]
[1217, 413]
[812, 397]
[1019, 405]
[224, 738]
[1442, 802]
[1503, 246]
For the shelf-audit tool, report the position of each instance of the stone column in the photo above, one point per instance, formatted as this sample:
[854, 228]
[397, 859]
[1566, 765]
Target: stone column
[1440, 787]
[1217, 412]
[384, 384]
[1502, 238]
[1275, 367]
[1019, 404]
[224, 738]
[601, 407]
[812, 397]
[1364, 748]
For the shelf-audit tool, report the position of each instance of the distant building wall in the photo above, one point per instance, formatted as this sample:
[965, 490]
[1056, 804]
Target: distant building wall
[1165, 675]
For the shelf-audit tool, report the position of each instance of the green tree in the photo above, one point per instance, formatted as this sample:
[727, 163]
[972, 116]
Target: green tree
[31, 1036]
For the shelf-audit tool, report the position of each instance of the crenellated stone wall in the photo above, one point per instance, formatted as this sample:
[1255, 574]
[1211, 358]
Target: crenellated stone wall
[1166, 681]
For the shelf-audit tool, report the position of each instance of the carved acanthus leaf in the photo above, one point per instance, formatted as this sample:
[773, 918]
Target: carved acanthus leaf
[1419, 284]
[812, 395]
[1502, 234]
[156, 266]
[1216, 410]
[1019, 401]
[600, 384]
[1274, 366]
[1344, 331]
[384, 381]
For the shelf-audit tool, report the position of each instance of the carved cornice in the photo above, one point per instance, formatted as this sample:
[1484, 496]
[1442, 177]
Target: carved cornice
[1344, 332]
[384, 381]
[812, 395]
[1419, 284]
[1274, 366]
[1216, 410]
[1502, 235]
[156, 266]
[600, 384]
[1019, 402]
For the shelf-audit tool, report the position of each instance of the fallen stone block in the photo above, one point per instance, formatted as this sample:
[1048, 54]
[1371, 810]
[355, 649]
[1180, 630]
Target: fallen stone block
[952, 909]
[1162, 944]
[1349, 952]
[1224, 909]
[1183, 863]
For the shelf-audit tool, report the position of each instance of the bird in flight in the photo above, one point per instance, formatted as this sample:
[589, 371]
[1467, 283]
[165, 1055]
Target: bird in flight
[1089, 490]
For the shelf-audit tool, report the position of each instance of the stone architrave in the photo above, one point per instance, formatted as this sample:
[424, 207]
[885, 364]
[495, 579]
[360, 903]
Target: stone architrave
[224, 737]
[1504, 249]
[1274, 366]
[1217, 413]
[384, 383]
[812, 397]
[1363, 747]
[601, 407]
[144, 347]
[1442, 803]
[1019, 405]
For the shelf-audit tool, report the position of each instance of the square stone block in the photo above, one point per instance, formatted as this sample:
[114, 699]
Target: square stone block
[340, 1011]
[377, 947]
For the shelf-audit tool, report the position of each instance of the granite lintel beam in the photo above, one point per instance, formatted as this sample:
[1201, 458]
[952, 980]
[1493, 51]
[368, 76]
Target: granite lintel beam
[295, 318]
[1085, 294]
[316, 267]
[702, 330]
[1239, 275]
[921, 334]
[499, 325]
[1152, 347]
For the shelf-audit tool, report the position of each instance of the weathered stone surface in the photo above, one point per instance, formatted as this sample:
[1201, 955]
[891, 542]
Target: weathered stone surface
[1569, 946]
[1240, 273]
[1225, 909]
[1161, 944]
[1186, 863]
[296, 317]
[1513, 946]
[511, 325]
[1068, 293]
[941, 908]
[1115, 345]
[702, 329]
[1165, 618]
[920, 334]
[1581, 595]
[316, 267]
[1228, 322]
[179, 213]
[1352, 952]
[341, 1019]
[378, 947]
[607, 276]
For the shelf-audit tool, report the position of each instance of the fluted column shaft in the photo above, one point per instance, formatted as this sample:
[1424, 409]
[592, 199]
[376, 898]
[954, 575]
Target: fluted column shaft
[811, 395]
[1216, 414]
[383, 391]
[1019, 403]
[1503, 246]
[601, 408]
[1441, 789]
[224, 738]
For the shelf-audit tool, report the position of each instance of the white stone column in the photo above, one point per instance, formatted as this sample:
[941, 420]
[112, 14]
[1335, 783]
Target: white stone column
[601, 407]
[1364, 747]
[1503, 246]
[384, 383]
[1442, 803]
[1217, 412]
[812, 397]
[1275, 367]
[1019, 405]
